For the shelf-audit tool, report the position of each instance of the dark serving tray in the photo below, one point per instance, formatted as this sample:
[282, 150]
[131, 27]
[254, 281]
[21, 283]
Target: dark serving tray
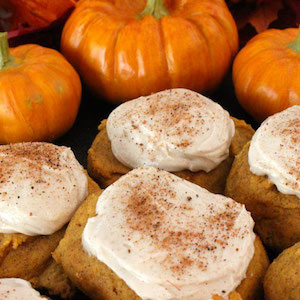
[93, 110]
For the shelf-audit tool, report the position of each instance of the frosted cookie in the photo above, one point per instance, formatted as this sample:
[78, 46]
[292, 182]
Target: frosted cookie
[265, 177]
[282, 280]
[41, 186]
[175, 130]
[153, 235]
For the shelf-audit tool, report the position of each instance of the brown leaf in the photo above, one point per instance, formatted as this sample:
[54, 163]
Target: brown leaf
[35, 21]
[35, 13]
[295, 6]
[5, 15]
[242, 15]
[252, 16]
[265, 14]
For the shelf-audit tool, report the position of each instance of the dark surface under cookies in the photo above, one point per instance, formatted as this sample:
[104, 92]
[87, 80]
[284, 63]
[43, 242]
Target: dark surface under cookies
[93, 110]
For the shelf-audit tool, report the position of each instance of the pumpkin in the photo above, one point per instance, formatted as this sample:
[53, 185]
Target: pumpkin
[127, 48]
[40, 93]
[266, 72]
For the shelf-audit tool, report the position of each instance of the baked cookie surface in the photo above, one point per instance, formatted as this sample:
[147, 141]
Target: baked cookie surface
[30, 258]
[98, 281]
[282, 280]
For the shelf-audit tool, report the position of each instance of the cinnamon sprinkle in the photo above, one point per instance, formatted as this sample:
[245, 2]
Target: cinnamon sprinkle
[149, 211]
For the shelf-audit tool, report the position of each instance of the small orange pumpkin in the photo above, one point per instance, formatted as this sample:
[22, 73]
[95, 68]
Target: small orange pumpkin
[266, 72]
[40, 93]
[127, 48]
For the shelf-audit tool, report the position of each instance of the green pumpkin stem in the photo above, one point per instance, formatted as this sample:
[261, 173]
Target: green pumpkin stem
[295, 45]
[155, 8]
[4, 50]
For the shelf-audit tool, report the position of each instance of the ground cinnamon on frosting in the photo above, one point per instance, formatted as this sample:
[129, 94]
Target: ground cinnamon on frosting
[174, 130]
[169, 238]
[147, 212]
[17, 289]
[40, 187]
[37, 156]
[275, 150]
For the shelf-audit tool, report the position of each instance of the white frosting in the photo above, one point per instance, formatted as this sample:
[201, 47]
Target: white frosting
[172, 130]
[17, 289]
[41, 186]
[275, 150]
[170, 239]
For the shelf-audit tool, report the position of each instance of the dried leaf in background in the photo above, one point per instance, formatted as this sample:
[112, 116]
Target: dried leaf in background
[34, 13]
[38, 13]
[265, 13]
[254, 16]
[34, 21]
[6, 14]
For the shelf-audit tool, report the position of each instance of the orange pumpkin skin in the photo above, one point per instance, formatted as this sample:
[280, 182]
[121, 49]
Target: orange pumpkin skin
[40, 95]
[122, 57]
[266, 73]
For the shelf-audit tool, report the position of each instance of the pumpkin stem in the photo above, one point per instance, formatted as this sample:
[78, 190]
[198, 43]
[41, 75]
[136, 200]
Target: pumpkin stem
[155, 8]
[4, 50]
[295, 45]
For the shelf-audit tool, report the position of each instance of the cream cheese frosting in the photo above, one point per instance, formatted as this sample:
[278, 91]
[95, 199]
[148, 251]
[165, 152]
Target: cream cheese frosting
[41, 186]
[17, 289]
[275, 150]
[170, 239]
[173, 130]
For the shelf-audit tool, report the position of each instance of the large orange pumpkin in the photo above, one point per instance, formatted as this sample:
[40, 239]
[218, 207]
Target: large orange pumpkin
[40, 93]
[266, 72]
[127, 48]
